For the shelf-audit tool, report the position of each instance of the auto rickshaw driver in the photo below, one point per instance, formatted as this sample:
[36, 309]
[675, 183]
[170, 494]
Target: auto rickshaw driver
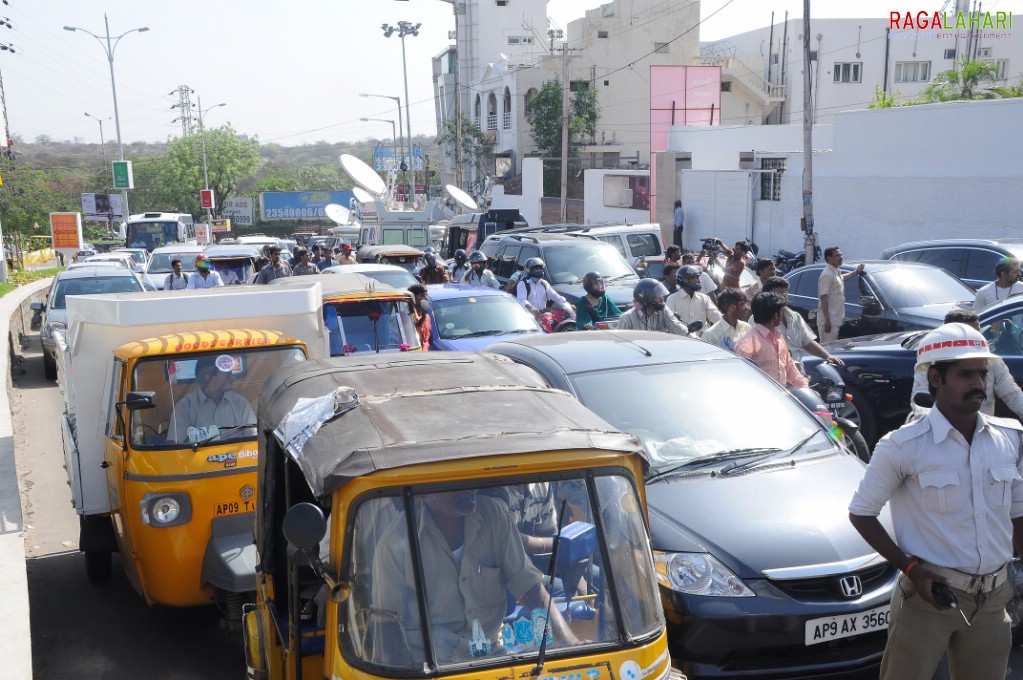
[471, 549]
[212, 405]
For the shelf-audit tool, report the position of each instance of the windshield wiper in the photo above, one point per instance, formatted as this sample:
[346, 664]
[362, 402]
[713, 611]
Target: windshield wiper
[480, 334]
[913, 338]
[704, 461]
[777, 453]
[220, 433]
[621, 276]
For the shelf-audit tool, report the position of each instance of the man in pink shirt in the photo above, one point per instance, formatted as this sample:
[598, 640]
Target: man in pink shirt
[765, 345]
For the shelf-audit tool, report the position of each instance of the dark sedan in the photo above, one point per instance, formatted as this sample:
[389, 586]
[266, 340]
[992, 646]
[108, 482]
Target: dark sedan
[878, 370]
[887, 297]
[760, 572]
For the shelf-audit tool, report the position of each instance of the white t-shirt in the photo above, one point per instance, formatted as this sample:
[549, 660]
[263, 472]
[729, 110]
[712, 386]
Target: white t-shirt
[991, 293]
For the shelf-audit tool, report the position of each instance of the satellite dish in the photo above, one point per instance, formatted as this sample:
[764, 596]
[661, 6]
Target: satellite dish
[363, 175]
[363, 196]
[337, 213]
[461, 198]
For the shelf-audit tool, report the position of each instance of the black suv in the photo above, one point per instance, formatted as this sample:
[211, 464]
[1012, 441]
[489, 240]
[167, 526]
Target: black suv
[972, 260]
[567, 258]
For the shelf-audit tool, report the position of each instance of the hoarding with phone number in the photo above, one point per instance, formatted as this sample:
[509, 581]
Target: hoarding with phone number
[300, 205]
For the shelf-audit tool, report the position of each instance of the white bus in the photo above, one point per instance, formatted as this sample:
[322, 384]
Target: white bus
[154, 229]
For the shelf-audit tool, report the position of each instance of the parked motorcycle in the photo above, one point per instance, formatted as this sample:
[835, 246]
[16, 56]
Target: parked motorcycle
[786, 260]
[827, 398]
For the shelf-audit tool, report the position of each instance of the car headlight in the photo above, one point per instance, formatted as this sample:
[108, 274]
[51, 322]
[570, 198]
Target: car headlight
[698, 574]
[165, 509]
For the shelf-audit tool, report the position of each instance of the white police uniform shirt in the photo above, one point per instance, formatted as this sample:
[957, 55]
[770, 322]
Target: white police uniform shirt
[951, 502]
[537, 293]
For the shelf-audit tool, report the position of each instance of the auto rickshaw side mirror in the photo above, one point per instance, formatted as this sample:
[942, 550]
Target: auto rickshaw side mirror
[139, 401]
[304, 526]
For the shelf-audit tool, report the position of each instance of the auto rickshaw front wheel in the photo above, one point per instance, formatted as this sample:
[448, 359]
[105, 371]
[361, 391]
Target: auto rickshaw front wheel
[98, 566]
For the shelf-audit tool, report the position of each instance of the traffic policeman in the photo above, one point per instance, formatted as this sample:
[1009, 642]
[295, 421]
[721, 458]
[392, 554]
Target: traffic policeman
[953, 483]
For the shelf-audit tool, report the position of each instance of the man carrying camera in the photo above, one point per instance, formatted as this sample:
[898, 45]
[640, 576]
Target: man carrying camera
[953, 481]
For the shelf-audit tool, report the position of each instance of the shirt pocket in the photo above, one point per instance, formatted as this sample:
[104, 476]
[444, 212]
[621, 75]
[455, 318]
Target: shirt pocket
[998, 487]
[942, 491]
[483, 588]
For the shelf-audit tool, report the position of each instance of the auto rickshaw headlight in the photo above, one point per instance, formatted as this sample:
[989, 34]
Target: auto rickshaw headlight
[165, 509]
[698, 574]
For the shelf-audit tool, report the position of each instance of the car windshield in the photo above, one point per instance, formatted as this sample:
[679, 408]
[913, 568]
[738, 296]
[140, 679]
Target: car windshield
[732, 406]
[394, 279]
[566, 264]
[919, 286]
[475, 316]
[161, 262]
[92, 285]
[202, 395]
[369, 326]
[603, 586]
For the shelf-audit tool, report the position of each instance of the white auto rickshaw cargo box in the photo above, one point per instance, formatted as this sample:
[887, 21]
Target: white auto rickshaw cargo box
[99, 324]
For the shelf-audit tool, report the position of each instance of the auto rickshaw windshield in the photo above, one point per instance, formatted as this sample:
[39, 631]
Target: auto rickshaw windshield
[369, 326]
[482, 556]
[203, 394]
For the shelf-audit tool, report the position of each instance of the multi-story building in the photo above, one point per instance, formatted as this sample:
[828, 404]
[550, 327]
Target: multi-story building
[509, 55]
[849, 59]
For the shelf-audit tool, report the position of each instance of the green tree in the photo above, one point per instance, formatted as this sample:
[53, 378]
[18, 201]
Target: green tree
[883, 100]
[229, 160]
[971, 80]
[1009, 91]
[477, 148]
[544, 116]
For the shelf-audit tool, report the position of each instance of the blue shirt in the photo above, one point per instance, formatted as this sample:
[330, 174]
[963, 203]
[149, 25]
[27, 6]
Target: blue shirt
[679, 216]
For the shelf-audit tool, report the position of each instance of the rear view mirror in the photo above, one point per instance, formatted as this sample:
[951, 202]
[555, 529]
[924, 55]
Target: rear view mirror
[694, 326]
[139, 401]
[38, 306]
[304, 526]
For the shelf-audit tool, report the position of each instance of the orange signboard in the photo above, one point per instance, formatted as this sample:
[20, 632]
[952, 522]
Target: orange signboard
[66, 229]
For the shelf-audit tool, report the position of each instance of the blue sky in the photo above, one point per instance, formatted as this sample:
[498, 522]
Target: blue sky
[288, 72]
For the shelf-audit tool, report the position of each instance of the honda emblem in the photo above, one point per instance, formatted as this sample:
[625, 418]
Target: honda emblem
[852, 586]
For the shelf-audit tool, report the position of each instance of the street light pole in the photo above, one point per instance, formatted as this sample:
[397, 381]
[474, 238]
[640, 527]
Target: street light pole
[102, 142]
[109, 48]
[405, 28]
[401, 131]
[205, 174]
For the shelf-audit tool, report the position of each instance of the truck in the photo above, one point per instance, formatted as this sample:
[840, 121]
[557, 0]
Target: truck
[155, 473]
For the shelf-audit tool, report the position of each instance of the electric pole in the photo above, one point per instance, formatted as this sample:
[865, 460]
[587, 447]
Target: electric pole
[565, 117]
[184, 105]
[810, 242]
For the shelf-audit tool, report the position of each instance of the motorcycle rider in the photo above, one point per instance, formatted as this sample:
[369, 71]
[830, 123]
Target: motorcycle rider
[726, 332]
[649, 313]
[765, 269]
[460, 267]
[798, 336]
[534, 292]
[433, 271]
[595, 306]
[688, 303]
[478, 274]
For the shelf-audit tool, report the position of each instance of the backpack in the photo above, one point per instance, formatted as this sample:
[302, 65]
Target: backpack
[513, 287]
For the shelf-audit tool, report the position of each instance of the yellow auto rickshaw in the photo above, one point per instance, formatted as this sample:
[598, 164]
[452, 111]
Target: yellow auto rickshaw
[159, 431]
[447, 516]
[363, 315]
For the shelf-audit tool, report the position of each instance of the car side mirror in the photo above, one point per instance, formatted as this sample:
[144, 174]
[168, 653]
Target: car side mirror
[38, 306]
[139, 401]
[694, 326]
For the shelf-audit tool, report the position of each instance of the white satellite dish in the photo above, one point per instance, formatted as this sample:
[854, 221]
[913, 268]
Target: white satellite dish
[363, 196]
[461, 198]
[337, 213]
[363, 175]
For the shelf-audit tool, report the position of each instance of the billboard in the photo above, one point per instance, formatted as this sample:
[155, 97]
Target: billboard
[100, 207]
[239, 210]
[66, 228]
[299, 205]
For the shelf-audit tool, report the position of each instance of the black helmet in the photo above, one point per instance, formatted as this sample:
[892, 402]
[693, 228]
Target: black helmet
[533, 264]
[590, 281]
[688, 277]
[430, 259]
[460, 257]
[477, 256]
[428, 249]
[647, 291]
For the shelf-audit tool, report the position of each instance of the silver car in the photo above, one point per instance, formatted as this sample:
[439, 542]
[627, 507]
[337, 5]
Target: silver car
[79, 281]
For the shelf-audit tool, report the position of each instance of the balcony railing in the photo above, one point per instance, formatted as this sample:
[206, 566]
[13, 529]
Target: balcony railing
[491, 121]
[507, 120]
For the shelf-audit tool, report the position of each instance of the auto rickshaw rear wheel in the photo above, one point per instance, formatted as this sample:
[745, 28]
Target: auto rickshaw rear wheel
[98, 566]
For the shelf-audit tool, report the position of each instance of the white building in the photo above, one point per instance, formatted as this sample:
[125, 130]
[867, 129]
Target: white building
[509, 53]
[880, 177]
[849, 59]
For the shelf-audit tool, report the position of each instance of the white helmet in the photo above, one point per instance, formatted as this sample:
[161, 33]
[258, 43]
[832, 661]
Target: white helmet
[951, 342]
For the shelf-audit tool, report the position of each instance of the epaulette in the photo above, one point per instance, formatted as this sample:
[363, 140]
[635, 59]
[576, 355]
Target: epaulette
[1009, 423]
[915, 429]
